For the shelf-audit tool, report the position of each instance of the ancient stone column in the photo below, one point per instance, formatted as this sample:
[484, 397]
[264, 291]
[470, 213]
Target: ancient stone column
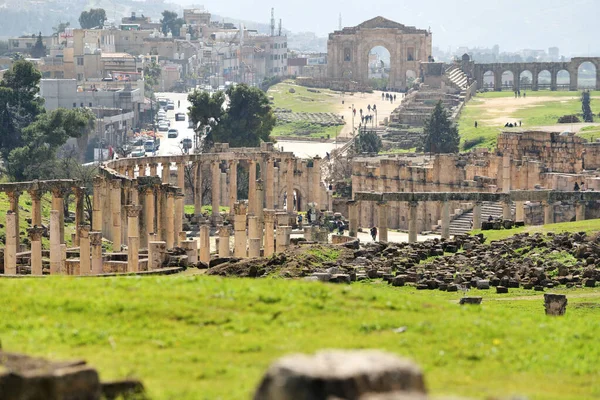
[97, 203]
[149, 211]
[232, 186]
[412, 221]
[133, 238]
[216, 192]
[178, 222]
[316, 183]
[382, 208]
[506, 210]
[10, 249]
[269, 232]
[239, 236]
[477, 215]
[58, 201]
[270, 183]
[84, 250]
[520, 211]
[548, 212]
[13, 199]
[157, 253]
[55, 251]
[36, 207]
[79, 212]
[180, 200]
[191, 250]
[170, 228]
[115, 208]
[252, 187]
[153, 169]
[96, 243]
[260, 201]
[580, 211]
[353, 217]
[166, 172]
[131, 171]
[198, 192]
[162, 212]
[35, 236]
[283, 238]
[445, 220]
[142, 169]
[224, 251]
[290, 185]
[555, 304]
[254, 237]
[205, 244]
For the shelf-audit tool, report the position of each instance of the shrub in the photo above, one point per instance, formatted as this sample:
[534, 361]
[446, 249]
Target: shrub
[569, 119]
[470, 143]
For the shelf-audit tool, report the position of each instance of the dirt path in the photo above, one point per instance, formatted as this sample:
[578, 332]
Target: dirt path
[362, 100]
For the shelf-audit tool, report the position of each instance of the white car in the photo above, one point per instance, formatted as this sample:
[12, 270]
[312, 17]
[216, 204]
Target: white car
[163, 127]
[173, 133]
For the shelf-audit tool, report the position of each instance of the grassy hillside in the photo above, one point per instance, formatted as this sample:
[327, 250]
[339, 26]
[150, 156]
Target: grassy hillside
[303, 100]
[589, 226]
[493, 109]
[209, 338]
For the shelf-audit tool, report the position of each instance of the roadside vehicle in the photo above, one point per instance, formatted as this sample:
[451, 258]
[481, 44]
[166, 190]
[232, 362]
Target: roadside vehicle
[163, 127]
[170, 105]
[152, 145]
[173, 133]
[180, 117]
[186, 144]
[138, 151]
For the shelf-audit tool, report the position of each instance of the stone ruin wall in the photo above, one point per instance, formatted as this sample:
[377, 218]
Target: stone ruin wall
[519, 164]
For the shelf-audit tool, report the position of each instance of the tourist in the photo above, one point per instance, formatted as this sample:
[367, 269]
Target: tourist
[576, 187]
[582, 186]
[300, 221]
[524, 94]
[475, 124]
[178, 103]
[340, 226]
[520, 123]
[394, 97]
[374, 233]
[490, 218]
[519, 92]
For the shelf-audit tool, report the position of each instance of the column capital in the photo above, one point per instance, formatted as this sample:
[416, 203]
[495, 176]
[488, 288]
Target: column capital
[147, 189]
[413, 204]
[224, 231]
[115, 183]
[171, 193]
[35, 233]
[84, 231]
[269, 215]
[260, 185]
[153, 165]
[96, 238]
[232, 162]
[382, 203]
[98, 180]
[240, 208]
[13, 194]
[78, 191]
[133, 210]
[35, 194]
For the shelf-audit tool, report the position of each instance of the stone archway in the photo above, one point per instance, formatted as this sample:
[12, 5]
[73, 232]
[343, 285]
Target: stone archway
[300, 203]
[348, 50]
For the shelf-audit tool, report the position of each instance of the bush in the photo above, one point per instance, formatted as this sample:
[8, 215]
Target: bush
[569, 119]
[470, 143]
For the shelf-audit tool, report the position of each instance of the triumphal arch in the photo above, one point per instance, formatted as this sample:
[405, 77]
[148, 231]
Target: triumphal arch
[348, 51]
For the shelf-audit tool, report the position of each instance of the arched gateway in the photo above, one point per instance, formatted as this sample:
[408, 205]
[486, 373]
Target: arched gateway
[348, 50]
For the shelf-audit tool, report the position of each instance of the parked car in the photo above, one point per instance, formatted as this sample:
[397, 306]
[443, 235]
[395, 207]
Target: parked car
[163, 103]
[180, 117]
[152, 144]
[164, 121]
[163, 127]
[161, 114]
[139, 151]
[173, 133]
[170, 105]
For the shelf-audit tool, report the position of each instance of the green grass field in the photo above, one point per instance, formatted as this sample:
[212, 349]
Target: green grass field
[484, 107]
[300, 129]
[303, 100]
[198, 337]
[589, 226]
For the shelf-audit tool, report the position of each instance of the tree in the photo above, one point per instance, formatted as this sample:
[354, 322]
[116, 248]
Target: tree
[171, 23]
[152, 73]
[20, 104]
[248, 120]
[92, 19]
[36, 158]
[38, 50]
[367, 142]
[60, 28]
[441, 135]
[588, 115]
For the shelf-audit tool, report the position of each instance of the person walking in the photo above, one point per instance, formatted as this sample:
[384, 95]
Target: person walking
[374, 233]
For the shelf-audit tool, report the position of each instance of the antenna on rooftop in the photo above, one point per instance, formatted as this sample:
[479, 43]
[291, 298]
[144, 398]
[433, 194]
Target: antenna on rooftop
[272, 22]
[340, 22]
[279, 30]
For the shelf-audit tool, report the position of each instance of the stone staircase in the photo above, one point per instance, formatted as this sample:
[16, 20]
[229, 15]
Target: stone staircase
[462, 224]
[457, 77]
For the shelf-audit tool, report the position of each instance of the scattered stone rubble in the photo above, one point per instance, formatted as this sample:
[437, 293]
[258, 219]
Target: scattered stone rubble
[536, 262]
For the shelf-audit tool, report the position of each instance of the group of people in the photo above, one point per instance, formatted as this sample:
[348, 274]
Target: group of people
[388, 96]
[518, 93]
[508, 125]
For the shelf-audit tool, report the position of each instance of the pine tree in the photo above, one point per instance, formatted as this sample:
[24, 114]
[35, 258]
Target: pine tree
[588, 115]
[441, 135]
[38, 50]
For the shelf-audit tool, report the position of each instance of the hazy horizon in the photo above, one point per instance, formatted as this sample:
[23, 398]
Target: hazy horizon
[509, 23]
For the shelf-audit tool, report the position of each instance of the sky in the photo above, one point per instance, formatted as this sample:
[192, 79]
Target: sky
[512, 24]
